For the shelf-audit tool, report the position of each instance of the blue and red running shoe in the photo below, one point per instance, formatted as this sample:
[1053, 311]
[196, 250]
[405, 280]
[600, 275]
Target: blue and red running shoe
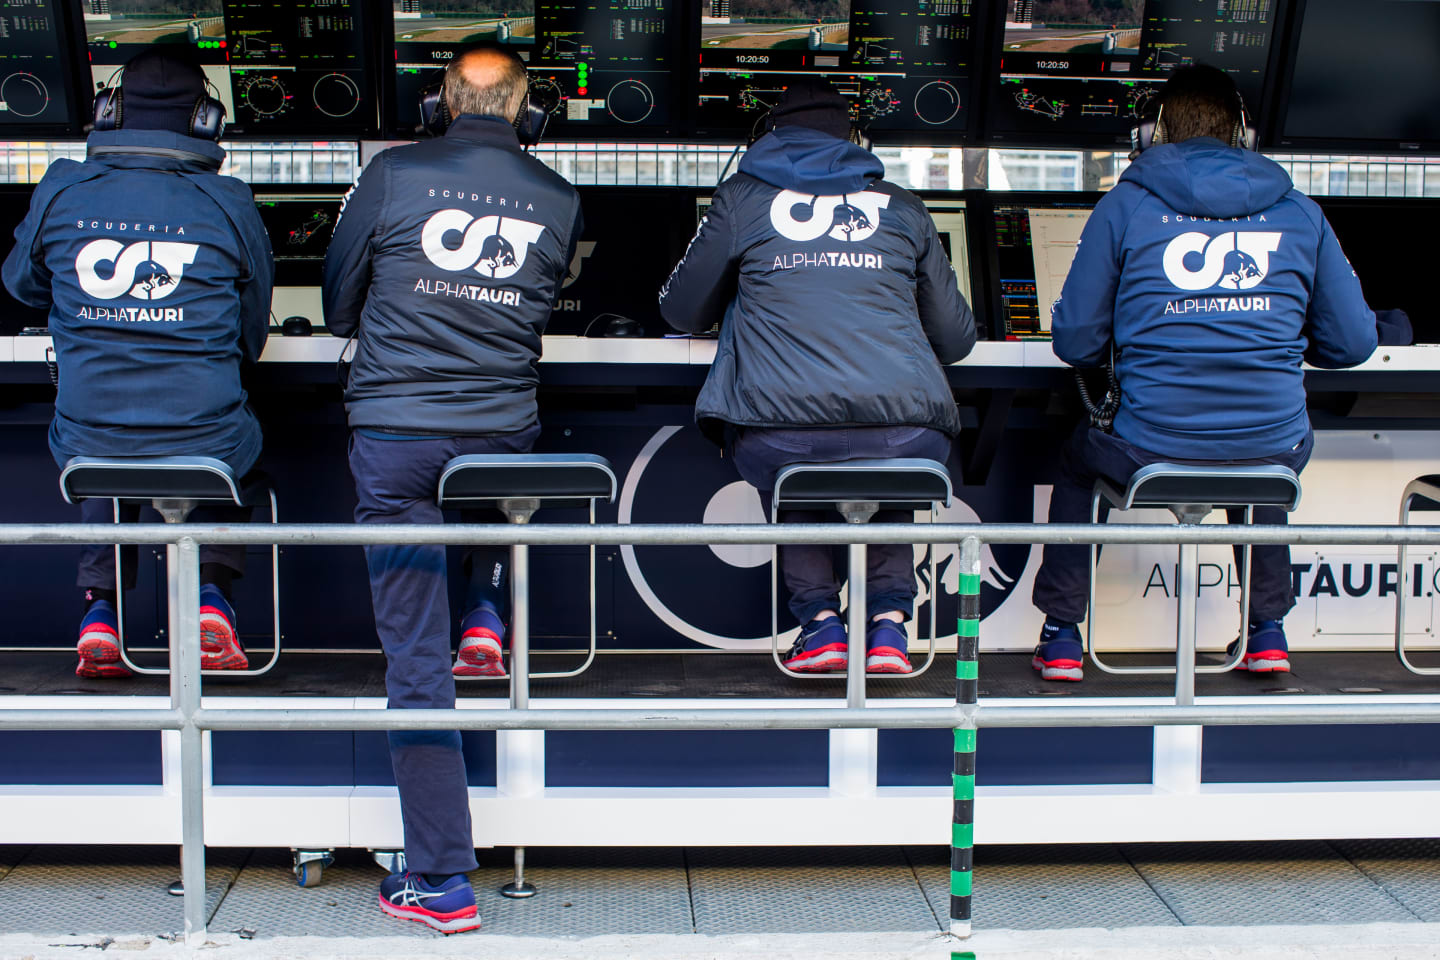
[887, 648]
[1267, 651]
[822, 647]
[448, 907]
[99, 646]
[1059, 655]
[482, 640]
[220, 647]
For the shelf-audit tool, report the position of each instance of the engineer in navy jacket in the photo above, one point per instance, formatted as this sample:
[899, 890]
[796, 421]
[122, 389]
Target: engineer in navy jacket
[837, 306]
[1211, 278]
[157, 274]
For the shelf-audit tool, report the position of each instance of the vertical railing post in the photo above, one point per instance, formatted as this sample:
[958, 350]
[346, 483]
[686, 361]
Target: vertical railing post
[967, 674]
[184, 574]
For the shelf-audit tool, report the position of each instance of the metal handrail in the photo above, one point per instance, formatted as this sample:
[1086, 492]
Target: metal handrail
[187, 716]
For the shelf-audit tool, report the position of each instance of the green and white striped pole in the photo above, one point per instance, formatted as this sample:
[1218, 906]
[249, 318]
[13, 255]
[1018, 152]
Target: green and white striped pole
[967, 674]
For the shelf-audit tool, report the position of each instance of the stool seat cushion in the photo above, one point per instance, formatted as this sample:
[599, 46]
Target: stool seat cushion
[558, 478]
[915, 483]
[1167, 484]
[149, 478]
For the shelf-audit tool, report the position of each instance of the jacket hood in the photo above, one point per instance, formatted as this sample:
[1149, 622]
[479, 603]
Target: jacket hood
[154, 149]
[1203, 177]
[798, 158]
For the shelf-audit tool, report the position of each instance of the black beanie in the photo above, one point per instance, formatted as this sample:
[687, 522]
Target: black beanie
[159, 93]
[812, 102]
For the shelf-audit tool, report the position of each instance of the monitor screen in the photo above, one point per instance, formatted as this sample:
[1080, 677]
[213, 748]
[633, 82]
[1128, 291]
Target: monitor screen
[294, 68]
[903, 64]
[606, 64]
[1395, 272]
[14, 315]
[300, 226]
[37, 88]
[1084, 71]
[1368, 74]
[1034, 247]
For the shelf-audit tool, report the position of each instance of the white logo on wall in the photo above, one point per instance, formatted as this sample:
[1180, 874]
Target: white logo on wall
[1231, 261]
[148, 270]
[583, 249]
[850, 217]
[494, 246]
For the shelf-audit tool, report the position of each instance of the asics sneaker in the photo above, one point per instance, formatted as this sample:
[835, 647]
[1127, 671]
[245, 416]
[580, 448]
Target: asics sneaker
[1267, 651]
[887, 648]
[448, 907]
[1059, 654]
[822, 647]
[99, 646]
[482, 637]
[220, 647]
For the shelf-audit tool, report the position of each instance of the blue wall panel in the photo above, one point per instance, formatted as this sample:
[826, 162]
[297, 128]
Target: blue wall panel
[657, 758]
[922, 758]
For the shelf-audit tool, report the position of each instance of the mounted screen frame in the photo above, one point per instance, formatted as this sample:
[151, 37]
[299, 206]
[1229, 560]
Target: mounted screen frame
[73, 66]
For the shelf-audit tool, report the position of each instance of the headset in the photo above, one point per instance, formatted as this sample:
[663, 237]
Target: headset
[542, 97]
[1150, 133]
[765, 123]
[207, 119]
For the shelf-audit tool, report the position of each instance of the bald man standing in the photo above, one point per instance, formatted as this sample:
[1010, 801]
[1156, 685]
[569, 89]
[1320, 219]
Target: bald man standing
[444, 266]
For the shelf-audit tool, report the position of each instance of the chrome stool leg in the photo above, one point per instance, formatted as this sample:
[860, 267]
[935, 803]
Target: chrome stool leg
[519, 888]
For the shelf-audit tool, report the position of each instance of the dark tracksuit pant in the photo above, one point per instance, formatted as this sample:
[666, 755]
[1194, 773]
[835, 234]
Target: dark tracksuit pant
[813, 574]
[1063, 582]
[395, 482]
[97, 561]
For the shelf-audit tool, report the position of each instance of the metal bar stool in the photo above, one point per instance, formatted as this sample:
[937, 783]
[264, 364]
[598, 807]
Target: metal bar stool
[1427, 491]
[174, 486]
[857, 489]
[517, 485]
[1191, 493]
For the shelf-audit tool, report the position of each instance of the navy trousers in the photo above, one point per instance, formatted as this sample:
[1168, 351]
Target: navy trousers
[97, 561]
[1063, 583]
[395, 482]
[813, 574]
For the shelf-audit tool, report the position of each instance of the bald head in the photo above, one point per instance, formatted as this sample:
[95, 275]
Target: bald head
[487, 81]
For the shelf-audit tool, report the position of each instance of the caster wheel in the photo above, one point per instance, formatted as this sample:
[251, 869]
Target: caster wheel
[310, 874]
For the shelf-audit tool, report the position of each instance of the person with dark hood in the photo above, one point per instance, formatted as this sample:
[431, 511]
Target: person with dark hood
[1209, 278]
[157, 273]
[837, 307]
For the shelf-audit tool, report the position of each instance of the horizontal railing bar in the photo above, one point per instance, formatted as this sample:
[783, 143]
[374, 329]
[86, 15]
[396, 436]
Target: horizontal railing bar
[700, 534]
[96, 718]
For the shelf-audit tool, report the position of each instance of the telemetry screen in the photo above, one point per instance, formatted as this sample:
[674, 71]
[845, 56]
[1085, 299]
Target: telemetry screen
[1088, 69]
[1034, 247]
[279, 66]
[607, 62]
[904, 64]
[35, 68]
[300, 227]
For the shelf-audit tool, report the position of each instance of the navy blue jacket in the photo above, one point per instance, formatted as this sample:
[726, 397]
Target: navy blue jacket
[157, 274]
[838, 302]
[445, 264]
[1213, 277]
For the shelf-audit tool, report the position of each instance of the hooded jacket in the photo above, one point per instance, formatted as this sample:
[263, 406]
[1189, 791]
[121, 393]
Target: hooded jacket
[838, 302]
[157, 274]
[1214, 278]
[445, 265]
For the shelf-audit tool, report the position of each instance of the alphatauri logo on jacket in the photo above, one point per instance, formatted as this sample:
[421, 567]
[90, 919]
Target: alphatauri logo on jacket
[147, 270]
[1229, 261]
[850, 217]
[494, 247]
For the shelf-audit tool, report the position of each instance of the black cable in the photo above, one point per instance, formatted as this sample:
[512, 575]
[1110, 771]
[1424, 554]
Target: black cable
[733, 154]
[1102, 414]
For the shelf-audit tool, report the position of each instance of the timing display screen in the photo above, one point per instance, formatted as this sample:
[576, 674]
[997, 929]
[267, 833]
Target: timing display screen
[904, 64]
[300, 227]
[34, 66]
[279, 66]
[1366, 74]
[1069, 68]
[606, 63]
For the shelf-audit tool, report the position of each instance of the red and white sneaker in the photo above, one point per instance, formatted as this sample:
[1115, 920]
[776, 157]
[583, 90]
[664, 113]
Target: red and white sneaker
[1267, 651]
[482, 641]
[822, 647]
[220, 647]
[887, 648]
[99, 645]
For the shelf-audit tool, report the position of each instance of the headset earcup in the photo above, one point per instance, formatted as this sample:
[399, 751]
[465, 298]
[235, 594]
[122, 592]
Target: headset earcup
[208, 120]
[432, 110]
[530, 125]
[107, 108]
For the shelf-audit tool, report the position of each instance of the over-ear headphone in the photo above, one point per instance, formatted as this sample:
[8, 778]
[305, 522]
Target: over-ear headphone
[541, 98]
[1149, 133]
[207, 119]
[765, 123]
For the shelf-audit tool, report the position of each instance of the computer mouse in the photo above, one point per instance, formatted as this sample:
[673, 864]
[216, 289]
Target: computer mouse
[624, 327]
[297, 327]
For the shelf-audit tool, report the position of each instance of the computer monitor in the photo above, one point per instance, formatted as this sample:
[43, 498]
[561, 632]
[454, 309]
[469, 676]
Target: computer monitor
[1363, 76]
[1035, 243]
[300, 225]
[609, 67]
[1395, 272]
[299, 68]
[905, 65]
[38, 83]
[14, 315]
[1083, 72]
